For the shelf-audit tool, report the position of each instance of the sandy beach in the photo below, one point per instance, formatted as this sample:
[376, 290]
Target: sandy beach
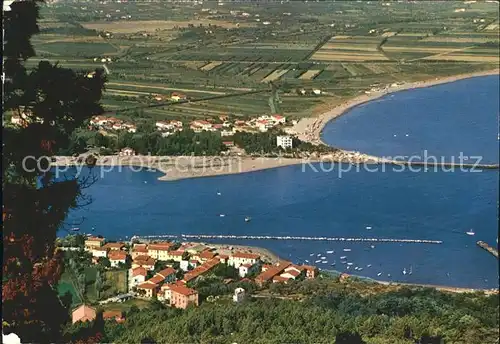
[184, 167]
[309, 129]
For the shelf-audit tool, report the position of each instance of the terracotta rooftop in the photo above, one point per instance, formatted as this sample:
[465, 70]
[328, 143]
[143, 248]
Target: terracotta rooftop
[183, 290]
[166, 272]
[83, 313]
[280, 279]
[117, 255]
[139, 271]
[117, 245]
[207, 254]
[156, 279]
[112, 314]
[164, 246]
[146, 285]
[94, 239]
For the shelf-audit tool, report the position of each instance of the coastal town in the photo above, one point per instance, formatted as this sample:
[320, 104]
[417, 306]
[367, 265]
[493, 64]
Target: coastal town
[167, 272]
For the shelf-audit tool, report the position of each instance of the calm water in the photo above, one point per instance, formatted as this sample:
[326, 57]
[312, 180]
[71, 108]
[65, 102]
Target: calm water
[292, 201]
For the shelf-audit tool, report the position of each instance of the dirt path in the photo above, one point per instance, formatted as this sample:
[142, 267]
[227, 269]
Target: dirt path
[163, 88]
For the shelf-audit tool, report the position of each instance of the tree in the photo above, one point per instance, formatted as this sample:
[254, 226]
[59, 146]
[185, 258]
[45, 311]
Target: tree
[98, 284]
[54, 102]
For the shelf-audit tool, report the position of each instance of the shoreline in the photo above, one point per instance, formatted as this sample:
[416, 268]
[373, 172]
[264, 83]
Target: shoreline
[310, 129]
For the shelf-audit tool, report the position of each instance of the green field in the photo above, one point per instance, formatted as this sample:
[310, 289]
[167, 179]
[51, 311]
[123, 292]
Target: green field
[336, 46]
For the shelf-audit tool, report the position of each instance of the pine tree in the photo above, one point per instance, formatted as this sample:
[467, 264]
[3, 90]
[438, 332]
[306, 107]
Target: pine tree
[53, 101]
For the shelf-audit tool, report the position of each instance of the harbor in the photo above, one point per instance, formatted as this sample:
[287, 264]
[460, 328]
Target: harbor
[270, 237]
[488, 248]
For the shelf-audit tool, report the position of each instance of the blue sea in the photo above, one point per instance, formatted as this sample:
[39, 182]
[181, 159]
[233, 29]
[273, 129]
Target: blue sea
[310, 201]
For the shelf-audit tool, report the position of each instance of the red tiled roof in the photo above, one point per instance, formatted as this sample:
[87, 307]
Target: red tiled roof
[245, 255]
[164, 246]
[117, 245]
[176, 253]
[112, 314]
[166, 272]
[146, 285]
[117, 255]
[309, 267]
[140, 249]
[272, 271]
[183, 290]
[277, 116]
[139, 271]
[280, 279]
[294, 273]
[144, 260]
[223, 256]
[207, 254]
[156, 279]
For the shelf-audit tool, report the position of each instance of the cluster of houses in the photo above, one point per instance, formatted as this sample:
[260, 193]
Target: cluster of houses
[112, 123]
[194, 260]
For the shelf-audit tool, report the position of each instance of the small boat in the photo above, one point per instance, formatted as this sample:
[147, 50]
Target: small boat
[388, 275]
[356, 268]
[323, 258]
[379, 274]
[348, 267]
[372, 246]
[332, 264]
[330, 252]
[325, 262]
[471, 232]
[347, 250]
[343, 262]
[247, 219]
[318, 255]
[409, 273]
[218, 194]
[368, 227]
[145, 182]
[306, 261]
[75, 229]
[312, 254]
[349, 264]
[222, 215]
[319, 260]
[404, 271]
[359, 269]
[368, 265]
[343, 257]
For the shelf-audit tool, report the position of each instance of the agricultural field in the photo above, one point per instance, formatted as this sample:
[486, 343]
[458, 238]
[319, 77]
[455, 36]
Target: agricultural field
[350, 48]
[216, 54]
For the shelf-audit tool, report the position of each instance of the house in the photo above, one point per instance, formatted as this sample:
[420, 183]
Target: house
[204, 255]
[201, 124]
[100, 252]
[137, 276]
[294, 272]
[200, 270]
[139, 251]
[131, 128]
[245, 269]
[239, 294]
[93, 242]
[174, 255]
[278, 119]
[117, 316]
[165, 290]
[343, 277]
[225, 133]
[145, 261]
[160, 251]
[223, 258]
[311, 271]
[177, 96]
[83, 313]
[271, 272]
[168, 274]
[280, 279]
[284, 141]
[164, 125]
[181, 296]
[156, 280]
[148, 290]
[263, 125]
[239, 258]
[117, 257]
[114, 246]
[127, 152]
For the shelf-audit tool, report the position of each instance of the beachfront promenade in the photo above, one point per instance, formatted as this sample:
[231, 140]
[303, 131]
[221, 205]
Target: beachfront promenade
[270, 237]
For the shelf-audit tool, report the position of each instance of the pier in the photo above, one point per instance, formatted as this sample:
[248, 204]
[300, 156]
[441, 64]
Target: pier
[270, 237]
[488, 248]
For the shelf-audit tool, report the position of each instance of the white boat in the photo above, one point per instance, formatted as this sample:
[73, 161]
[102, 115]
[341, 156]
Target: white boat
[347, 250]
[343, 262]
[379, 274]
[75, 229]
[372, 246]
[333, 264]
[368, 265]
[222, 215]
[409, 273]
[471, 232]
[323, 258]
[388, 275]
[312, 254]
[319, 260]
[330, 252]
[325, 262]
[306, 261]
[355, 268]
[318, 255]
[368, 227]
[404, 271]
[218, 193]
[349, 264]
[247, 219]
[359, 269]
[348, 267]
[343, 257]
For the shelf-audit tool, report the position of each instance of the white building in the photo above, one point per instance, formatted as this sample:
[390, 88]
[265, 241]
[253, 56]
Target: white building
[239, 294]
[239, 258]
[284, 141]
[136, 276]
[100, 252]
[245, 269]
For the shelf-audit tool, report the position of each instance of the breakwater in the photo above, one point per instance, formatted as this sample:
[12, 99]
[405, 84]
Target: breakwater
[270, 237]
[488, 248]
